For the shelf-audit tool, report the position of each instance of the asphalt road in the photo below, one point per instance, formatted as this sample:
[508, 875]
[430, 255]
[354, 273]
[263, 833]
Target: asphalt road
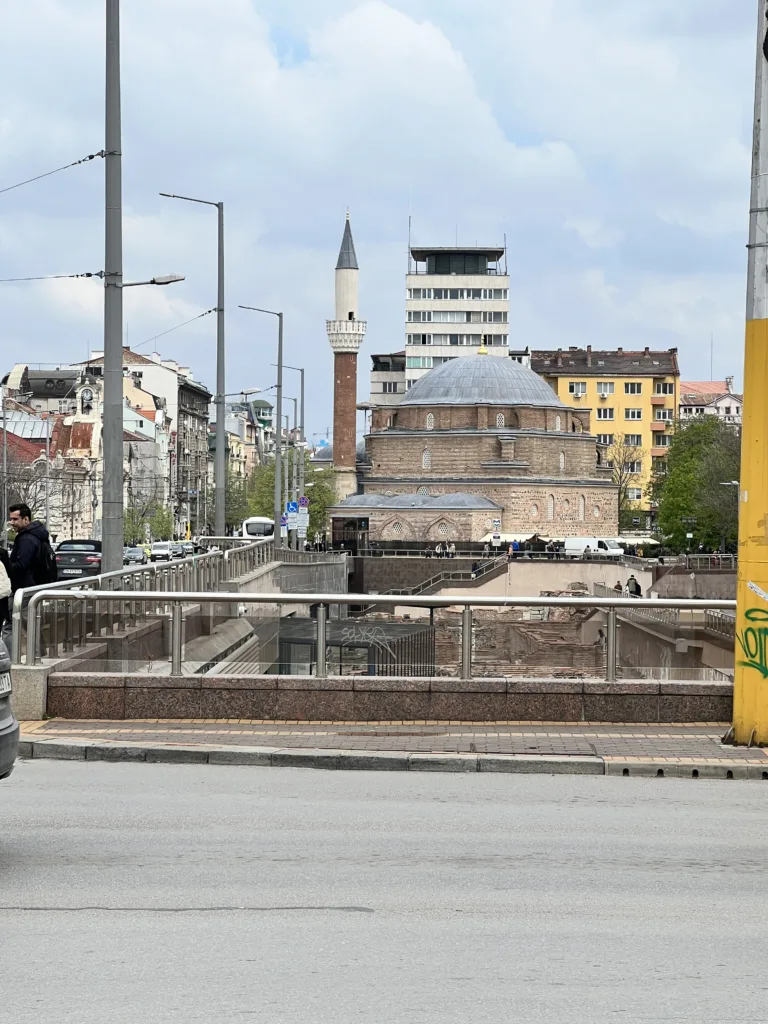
[152, 893]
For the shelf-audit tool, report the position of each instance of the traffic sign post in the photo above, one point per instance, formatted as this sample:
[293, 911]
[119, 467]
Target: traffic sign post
[292, 510]
[283, 526]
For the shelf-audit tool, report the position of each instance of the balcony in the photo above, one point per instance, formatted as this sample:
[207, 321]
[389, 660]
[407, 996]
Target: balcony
[659, 424]
[662, 399]
[659, 452]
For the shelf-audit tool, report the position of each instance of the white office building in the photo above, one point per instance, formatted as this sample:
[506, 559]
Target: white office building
[456, 300]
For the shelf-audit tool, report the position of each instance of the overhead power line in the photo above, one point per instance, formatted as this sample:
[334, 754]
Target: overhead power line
[176, 328]
[84, 160]
[51, 277]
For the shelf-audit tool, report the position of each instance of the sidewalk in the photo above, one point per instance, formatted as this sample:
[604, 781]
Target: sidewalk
[690, 751]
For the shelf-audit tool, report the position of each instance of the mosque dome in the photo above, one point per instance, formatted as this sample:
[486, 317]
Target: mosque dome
[482, 380]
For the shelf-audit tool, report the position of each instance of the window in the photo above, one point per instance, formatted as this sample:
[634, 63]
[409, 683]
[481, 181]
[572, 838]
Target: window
[596, 511]
[582, 507]
[633, 388]
[419, 339]
[662, 441]
[426, 459]
[397, 529]
[562, 461]
[390, 387]
[635, 468]
[449, 316]
[494, 318]
[419, 362]
[633, 414]
[443, 529]
[551, 507]
[604, 414]
[633, 440]
[605, 387]
[499, 419]
[659, 465]
[663, 389]
[430, 421]
[634, 493]
[577, 387]
[558, 423]
[423, 491]
[534, 511]
[419, 293]
[666, 414]
[419, 316]
[606, 439]
[727, 410]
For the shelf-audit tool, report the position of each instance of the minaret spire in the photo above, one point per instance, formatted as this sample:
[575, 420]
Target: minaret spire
[345, 335]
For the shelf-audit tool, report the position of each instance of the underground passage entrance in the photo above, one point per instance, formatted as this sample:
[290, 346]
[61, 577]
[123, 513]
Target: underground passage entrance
[358, 648]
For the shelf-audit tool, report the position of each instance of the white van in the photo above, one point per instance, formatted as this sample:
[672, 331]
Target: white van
[605, 547]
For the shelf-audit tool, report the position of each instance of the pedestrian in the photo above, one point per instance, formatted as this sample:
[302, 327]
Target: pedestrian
[32, 560]
[451, 550]
[633, 587]
[587, 552]
[475, 569]
[510, 553]
[438, 550]
[486, 550]
[515, 548]
[618, 587]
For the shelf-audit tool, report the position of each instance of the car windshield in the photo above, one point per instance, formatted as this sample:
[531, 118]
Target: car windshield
[162, 546]
[134, 551]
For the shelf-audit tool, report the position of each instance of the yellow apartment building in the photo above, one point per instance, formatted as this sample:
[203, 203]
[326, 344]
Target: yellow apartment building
[632, 397]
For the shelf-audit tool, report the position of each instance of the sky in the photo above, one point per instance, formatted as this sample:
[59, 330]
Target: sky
[608, 141]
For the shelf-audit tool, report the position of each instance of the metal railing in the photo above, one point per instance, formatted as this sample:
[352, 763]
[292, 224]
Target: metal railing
[198, 572]
[720, 622]
[701, 615]
[611, 605]
[459, 576]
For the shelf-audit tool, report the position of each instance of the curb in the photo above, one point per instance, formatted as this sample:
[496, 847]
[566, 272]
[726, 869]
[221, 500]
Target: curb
[381, 760]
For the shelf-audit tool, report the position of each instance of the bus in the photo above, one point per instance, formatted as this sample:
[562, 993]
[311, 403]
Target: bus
[257, 526]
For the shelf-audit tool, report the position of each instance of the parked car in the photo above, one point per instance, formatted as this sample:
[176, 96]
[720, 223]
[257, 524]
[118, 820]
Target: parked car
[177, 550]
[134, 556]
[161, 551]
[9, 727]
[189, 548]
[78, 558]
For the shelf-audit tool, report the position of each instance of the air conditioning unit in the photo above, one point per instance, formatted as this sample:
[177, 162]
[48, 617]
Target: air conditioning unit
[603, 397]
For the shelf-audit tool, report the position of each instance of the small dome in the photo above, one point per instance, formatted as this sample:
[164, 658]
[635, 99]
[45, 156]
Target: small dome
[482, 380]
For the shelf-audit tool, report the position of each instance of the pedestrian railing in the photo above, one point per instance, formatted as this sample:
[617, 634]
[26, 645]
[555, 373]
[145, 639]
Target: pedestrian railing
[458, 576]
[36, 615]
[79, 605]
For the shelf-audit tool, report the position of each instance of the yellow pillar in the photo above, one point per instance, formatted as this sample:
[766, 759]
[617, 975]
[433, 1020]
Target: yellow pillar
[750, 698]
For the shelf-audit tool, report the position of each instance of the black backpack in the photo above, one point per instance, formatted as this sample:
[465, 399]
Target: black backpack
[45, 570]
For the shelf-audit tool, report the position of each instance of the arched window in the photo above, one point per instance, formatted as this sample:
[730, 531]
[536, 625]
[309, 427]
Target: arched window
[499, 419]
[426, 459]
[558, 424]
[397, 529]
[430, 421]
[551, 507]
[423, 491]
[562, 461]
[582, 508]
[443, 529]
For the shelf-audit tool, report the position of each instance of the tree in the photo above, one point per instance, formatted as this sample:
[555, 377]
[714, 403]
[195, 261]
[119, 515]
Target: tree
[695, 495]
[623, 459]
[161, 523]
[319, 487]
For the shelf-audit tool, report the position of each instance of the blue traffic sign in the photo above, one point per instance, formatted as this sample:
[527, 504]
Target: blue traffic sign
[291, 506]
[303, 502]
[283, 520]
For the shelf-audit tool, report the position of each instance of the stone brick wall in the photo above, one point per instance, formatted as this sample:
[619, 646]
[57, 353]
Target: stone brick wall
[344, 409]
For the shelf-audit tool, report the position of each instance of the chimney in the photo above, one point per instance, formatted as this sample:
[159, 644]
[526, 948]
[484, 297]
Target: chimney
[589, 355]
[559, 357]
[647, 353]
[619, 350]
[729, 385]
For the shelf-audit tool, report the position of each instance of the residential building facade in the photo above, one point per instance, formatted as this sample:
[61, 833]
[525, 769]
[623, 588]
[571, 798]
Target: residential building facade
[631, 398]
[711, 398]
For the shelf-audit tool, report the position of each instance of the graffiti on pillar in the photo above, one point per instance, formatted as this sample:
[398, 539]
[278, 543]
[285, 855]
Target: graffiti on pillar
[753, 641]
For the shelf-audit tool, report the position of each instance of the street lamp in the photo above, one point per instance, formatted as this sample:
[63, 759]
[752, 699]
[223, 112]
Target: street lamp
[220, 480]
[300, 369]
[278, 505]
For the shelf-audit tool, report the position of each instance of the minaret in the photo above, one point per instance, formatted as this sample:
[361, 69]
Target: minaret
[345, 334]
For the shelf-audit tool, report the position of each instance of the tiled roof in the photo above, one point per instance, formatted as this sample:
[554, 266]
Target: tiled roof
[595, 363]
[703, 387]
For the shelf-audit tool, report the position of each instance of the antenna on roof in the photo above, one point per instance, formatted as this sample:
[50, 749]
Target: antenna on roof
[408, 254]
[505, 252]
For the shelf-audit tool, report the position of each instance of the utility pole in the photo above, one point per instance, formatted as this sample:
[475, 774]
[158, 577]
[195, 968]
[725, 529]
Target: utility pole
[302, 436]
[112, 429]
[5, 472]
[220, 469]
[750, 696]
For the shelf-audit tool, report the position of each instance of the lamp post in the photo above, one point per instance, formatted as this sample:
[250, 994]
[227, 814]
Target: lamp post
[219, 469]
[277, 507]
[291, 474]
[301, 457]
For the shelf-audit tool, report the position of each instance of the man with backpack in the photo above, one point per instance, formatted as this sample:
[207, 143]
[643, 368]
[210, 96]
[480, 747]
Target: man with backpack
[32, 559]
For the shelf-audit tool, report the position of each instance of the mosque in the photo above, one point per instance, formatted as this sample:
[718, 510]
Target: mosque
[479, 445]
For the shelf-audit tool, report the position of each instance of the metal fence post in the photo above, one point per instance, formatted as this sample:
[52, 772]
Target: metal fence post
[176, 638]
[610, 652]
[466, 642]
[321, 667]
